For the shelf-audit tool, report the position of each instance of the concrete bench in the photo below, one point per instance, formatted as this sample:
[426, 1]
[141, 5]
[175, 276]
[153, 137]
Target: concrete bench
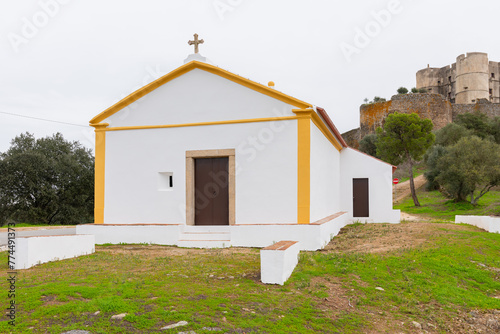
[278, 261]
[490, 224]
[30, 251]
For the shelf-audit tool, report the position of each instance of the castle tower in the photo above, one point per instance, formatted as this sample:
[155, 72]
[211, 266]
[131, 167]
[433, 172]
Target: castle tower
[472, 78]
[430, 79]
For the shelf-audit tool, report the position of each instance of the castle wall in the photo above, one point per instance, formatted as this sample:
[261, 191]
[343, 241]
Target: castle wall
[492, 110]
[431, 106]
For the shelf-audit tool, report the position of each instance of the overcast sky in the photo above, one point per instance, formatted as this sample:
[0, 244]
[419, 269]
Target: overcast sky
[68, 60]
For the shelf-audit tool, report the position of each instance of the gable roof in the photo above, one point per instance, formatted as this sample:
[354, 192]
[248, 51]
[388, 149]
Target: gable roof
[205, 67]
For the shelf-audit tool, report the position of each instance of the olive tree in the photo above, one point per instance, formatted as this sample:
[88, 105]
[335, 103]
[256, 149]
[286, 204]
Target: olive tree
[471, 167]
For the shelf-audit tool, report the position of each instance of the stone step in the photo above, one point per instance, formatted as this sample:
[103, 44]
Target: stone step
[205, 236]
[207, 229]
[204, 243]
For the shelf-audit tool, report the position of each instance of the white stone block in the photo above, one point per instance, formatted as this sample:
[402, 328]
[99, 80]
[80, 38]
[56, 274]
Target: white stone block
[278, 261]
[30, 251]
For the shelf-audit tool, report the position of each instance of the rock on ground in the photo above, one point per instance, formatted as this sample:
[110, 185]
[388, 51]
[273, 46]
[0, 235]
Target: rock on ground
[178, 324]
[119, 316]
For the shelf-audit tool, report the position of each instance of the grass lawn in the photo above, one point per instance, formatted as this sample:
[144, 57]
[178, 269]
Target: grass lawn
[435, 274]
[435, 205]
[32, 225]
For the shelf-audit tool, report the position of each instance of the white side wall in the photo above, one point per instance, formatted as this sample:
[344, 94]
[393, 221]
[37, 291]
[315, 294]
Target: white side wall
[266, 171]
[31, 251]
[355, 164]
[325, 176]
[199, 96]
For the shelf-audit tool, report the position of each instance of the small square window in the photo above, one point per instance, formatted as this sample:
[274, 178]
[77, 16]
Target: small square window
[493, 75]
[165, 181]
[491, 91]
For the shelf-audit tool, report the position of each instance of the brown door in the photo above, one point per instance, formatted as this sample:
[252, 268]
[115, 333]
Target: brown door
[360, 198]
[211, 191]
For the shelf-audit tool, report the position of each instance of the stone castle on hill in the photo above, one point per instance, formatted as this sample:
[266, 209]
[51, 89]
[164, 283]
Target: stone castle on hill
[471, 78]
[471, 84]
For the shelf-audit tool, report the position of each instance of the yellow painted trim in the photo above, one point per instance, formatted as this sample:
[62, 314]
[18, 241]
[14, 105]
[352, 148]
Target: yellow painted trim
[100, 152]
[205, 67]
[304, 170]
[326, 131]
[310, 113]
[236, 121]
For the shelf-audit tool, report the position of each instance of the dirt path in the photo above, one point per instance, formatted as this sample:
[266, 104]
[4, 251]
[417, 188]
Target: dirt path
[403, 189]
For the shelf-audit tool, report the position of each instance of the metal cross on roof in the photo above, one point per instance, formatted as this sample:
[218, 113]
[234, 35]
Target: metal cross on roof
[196, 42]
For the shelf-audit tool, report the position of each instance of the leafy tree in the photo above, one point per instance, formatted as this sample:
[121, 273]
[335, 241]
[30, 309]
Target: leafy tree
[368, 144]
[478, 123]
[422, 91]
[451, 134]
[471, 167]
[378, 99]
[495, 129]
[431, 159]
[405, 137]
[49, 181]
[402, 90]
[414, 90]
[365, 100]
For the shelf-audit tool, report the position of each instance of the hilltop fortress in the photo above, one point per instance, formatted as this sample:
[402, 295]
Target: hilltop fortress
[470, 84]
[471, 78]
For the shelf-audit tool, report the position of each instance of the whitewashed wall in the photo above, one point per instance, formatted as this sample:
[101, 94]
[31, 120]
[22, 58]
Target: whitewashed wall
[488, 223]
[199, 96]
[355, 164]
[31, 251]
[266, 171]
[325, 176]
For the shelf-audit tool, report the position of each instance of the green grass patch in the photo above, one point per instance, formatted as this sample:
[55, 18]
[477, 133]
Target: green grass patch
[31, 225]
[157, 286]
[435, 205]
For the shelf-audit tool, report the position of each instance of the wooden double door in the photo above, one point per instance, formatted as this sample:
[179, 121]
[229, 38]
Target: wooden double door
[211, 183]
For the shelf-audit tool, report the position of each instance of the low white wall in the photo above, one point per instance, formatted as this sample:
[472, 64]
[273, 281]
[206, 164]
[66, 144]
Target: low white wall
[490, 224]
[31, 251]
[310, 236]
[276, 265]
[132, 234]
